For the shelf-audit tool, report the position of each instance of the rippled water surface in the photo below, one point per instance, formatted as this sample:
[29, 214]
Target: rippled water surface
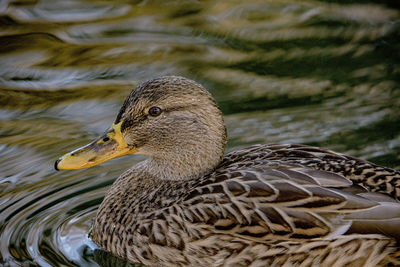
[323, 73]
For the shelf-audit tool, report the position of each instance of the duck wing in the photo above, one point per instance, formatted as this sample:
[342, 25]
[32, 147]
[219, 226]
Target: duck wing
[256, 197]
[361, 172]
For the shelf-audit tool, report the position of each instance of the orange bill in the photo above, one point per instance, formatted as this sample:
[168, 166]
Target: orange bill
[106, 147]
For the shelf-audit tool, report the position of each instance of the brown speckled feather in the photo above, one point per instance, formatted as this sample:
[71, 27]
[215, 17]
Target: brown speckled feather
[268, 197]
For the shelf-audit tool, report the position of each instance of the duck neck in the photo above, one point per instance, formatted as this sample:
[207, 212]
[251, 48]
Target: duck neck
[189, 163]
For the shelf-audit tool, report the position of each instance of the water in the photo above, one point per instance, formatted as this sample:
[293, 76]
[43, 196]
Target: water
[321, 73]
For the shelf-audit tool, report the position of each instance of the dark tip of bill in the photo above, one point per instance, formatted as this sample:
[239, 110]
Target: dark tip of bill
[56, 163]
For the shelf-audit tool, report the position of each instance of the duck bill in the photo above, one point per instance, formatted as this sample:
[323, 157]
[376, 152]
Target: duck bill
[106, 147]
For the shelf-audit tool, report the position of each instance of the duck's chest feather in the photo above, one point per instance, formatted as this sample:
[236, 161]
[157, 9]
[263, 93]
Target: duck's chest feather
[136, 213]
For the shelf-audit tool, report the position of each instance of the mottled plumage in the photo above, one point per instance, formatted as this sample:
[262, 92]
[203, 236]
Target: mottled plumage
[279, 205]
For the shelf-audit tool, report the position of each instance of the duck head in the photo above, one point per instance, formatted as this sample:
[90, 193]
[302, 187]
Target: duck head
[172, 120]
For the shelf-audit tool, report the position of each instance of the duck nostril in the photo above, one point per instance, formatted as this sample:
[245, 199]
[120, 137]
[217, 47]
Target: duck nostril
[56, 164]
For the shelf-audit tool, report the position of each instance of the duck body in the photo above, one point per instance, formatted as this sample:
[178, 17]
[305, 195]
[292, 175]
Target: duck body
[279, 205]
[263, 205]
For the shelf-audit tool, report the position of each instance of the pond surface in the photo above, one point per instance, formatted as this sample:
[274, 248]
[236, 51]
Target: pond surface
[322, 73]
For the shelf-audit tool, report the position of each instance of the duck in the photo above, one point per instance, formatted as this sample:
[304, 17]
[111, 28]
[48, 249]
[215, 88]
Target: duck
[189, 204]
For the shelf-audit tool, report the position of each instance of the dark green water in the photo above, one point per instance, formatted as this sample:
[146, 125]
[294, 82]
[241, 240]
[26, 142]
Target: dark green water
[322, 73]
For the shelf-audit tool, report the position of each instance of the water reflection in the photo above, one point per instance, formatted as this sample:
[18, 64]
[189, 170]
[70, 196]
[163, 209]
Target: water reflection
[323, 73]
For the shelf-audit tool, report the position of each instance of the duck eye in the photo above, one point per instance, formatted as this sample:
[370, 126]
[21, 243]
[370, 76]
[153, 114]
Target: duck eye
[154, 111]
[105, 139]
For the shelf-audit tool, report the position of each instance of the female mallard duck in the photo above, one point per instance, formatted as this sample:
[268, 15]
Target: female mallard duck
[187, 204]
